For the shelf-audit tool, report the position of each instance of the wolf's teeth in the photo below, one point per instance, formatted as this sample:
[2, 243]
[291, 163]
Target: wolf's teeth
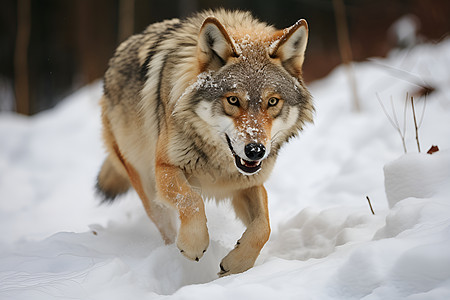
[251, 164]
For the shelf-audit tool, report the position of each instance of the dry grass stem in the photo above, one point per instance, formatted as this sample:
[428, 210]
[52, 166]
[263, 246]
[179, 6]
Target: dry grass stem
[394, 122]
[370, 205]
[416, 128]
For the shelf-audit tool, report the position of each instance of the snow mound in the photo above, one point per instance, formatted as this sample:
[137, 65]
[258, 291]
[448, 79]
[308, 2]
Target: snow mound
[416, 175]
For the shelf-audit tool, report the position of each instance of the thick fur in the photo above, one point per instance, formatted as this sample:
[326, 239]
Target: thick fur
[199, 108]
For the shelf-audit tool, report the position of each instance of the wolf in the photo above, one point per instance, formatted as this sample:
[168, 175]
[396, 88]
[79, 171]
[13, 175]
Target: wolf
[198, 108]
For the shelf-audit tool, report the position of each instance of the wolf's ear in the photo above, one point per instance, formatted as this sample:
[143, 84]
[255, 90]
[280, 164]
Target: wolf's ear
[289, 47]
[215, 46]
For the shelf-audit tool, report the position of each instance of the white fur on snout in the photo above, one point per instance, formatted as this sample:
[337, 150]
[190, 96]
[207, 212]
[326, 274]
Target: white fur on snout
[237, 143]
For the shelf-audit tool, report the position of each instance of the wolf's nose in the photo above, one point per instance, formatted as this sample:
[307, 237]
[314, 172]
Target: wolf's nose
[255, 151]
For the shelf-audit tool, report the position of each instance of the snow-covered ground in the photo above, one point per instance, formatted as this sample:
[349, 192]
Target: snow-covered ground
[56, 242]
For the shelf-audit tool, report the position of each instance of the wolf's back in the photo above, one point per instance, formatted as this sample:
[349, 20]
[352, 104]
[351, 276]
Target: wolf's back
[128, 68]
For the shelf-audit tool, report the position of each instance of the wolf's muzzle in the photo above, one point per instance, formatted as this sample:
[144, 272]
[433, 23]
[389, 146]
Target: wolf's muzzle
[254, 152]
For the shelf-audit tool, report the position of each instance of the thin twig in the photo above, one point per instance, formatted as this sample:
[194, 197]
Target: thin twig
[423, 111]
[394, 124]
[415, 123]
[384, 110]
[370, 205]
[394, 114]
[397, 124]
[404, 116]
[401, 74]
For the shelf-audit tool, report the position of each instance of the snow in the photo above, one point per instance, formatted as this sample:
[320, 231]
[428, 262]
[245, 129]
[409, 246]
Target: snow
[416, 175]
[57, 242]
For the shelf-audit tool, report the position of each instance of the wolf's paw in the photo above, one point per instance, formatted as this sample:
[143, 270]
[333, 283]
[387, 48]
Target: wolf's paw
[193, 240]
[237, 261]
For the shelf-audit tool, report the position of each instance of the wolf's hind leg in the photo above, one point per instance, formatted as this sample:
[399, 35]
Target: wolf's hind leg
[163, 217]
[165, 220]
[112, 180]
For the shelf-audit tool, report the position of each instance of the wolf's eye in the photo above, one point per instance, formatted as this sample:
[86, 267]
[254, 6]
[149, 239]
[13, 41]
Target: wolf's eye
[273, 101]
[233, 100]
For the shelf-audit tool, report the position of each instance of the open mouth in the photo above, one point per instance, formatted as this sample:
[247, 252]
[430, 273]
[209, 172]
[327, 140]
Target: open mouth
[246, 167]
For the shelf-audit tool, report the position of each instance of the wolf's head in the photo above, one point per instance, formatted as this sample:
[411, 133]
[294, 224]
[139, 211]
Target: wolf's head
[250, 89]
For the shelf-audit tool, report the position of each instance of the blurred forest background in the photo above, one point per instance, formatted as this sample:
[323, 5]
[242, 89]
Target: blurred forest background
[49, 48]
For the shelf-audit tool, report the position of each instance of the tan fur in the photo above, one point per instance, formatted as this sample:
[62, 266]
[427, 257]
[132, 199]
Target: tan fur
[171, 132]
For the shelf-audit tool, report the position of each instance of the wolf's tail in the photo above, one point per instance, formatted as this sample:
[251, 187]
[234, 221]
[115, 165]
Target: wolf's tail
[111, 182]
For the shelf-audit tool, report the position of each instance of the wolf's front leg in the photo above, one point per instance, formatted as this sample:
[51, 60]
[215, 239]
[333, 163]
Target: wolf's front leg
[251, 207]
[173, 188]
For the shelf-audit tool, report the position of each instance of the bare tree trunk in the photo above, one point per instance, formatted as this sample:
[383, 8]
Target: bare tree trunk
[95, 37]
[345, 49]
[187, 7]
[21, 83]
[126, 19]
